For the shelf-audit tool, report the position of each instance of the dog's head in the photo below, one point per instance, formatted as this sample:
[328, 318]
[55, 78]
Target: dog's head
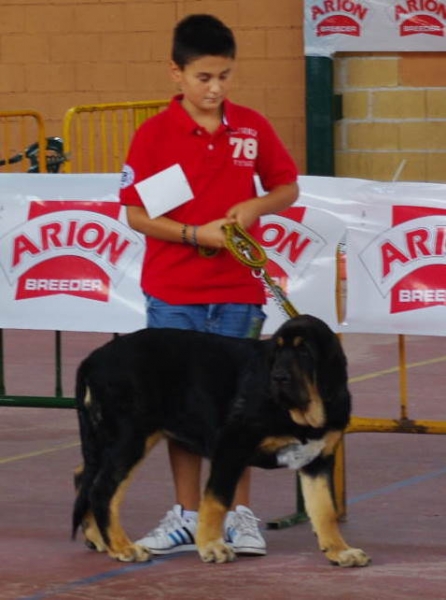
[309, 371]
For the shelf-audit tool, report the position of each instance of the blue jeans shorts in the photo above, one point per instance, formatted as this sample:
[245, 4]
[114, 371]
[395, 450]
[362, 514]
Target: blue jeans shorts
[236, 320]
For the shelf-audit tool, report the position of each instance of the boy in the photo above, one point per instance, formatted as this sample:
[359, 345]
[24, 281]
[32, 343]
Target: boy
[220, 146]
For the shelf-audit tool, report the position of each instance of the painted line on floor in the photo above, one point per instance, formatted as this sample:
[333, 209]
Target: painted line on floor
[398, 485]
[93, 579]
[375, 374]
[11, 459]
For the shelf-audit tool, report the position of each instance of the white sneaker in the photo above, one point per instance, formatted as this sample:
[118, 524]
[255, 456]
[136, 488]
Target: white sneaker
[175, 533]
[242, 532]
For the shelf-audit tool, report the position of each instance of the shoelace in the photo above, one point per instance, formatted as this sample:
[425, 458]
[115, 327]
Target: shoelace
[170, 521]
[246, 523]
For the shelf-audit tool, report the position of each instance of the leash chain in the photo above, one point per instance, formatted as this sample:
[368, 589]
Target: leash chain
[250, 253]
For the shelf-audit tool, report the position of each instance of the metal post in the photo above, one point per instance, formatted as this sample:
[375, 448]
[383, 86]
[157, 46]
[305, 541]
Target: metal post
[320, 115]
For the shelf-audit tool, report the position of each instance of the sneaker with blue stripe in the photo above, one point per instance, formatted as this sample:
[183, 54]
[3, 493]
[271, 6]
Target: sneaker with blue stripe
[175, 533]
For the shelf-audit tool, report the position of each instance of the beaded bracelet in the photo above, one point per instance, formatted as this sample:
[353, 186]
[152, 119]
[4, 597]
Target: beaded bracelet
[193, 241]
[184, 234]
[194, 235]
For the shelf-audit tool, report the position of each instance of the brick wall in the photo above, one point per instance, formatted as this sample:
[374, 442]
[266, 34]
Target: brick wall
[54, 55]
[394, 111]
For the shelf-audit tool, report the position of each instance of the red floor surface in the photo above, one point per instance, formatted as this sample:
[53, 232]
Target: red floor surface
[396, 485]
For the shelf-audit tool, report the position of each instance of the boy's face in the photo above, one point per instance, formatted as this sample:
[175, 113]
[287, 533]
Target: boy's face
[204, 82]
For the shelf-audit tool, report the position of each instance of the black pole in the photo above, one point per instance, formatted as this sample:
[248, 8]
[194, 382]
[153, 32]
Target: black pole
[320, 115]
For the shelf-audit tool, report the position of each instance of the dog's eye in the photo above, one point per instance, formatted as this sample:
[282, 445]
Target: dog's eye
[305, 356]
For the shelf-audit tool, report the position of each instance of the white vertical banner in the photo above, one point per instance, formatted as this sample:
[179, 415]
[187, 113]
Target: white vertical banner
[396, 261]
[68, 260]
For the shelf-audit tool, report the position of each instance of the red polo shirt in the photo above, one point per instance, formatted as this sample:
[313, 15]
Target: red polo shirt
[220, 169]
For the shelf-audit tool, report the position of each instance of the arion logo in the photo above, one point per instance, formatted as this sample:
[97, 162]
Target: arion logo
[290, 245]
[426, 17]
[344, 17]
[76, 248]
[409, 260]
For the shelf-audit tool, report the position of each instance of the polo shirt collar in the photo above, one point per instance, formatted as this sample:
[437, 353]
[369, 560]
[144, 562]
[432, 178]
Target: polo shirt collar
[185, 120]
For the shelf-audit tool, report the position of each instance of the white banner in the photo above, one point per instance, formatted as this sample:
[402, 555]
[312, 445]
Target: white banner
[69, 261]
[374, 25]
[396, 260]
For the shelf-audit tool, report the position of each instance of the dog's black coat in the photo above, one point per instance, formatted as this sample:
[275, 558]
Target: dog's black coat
[223, 398]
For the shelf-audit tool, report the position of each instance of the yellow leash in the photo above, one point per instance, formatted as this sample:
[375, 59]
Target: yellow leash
[250, 253]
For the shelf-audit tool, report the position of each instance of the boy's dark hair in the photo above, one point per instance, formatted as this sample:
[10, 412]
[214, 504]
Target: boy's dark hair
[201, 35]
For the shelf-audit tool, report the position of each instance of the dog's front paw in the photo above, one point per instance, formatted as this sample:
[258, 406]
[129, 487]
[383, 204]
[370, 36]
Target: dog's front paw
[216, 551]
[131, 553]
[350, 557]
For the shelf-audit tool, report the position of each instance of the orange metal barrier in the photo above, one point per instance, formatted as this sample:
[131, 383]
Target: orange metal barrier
[97, 137]
[18, 131]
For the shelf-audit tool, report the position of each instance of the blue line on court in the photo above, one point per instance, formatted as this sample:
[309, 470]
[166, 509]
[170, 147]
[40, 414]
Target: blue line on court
[396, 486]
[136, 566]
[124, 570]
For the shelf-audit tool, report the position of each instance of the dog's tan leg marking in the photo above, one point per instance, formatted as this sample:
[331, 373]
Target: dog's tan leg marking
[120, 546]
[92, 534]
[90, 529]
[320, 508]
[209, 538]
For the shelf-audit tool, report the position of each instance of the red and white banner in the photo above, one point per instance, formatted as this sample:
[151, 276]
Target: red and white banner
[396, 261]
[374, 25]
[69, 261]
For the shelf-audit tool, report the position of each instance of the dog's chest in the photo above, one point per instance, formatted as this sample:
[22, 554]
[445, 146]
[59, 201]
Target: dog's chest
[296, 456]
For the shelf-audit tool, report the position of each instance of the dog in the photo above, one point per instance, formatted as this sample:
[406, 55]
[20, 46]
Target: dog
[276, 402]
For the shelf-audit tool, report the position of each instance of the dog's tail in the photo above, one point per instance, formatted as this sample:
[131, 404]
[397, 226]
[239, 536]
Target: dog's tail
[85, 475]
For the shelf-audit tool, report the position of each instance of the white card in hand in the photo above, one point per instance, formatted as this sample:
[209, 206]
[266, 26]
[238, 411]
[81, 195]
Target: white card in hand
[164, 191]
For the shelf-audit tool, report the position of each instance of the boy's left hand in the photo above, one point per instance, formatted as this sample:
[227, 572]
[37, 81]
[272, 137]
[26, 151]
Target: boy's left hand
[244, 213]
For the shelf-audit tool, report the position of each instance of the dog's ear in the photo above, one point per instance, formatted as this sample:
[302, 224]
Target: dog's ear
[332, 375]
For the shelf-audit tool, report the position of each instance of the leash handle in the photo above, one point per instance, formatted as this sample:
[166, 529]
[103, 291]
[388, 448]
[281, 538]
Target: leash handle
[244, 247]
[250, 253]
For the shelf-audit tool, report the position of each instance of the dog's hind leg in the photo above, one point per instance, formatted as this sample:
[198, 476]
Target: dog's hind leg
[108, 492]
[82, 512]
[316, 481]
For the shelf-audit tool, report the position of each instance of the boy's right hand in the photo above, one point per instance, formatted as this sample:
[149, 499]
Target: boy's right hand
[212, 235]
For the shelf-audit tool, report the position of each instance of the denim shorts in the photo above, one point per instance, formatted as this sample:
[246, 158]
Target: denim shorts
[236, 320]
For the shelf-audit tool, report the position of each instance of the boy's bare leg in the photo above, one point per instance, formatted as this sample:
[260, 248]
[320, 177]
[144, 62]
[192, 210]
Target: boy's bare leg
[186, 471]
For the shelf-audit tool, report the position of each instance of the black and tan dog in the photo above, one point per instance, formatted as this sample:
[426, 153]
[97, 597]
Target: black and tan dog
[283, 401]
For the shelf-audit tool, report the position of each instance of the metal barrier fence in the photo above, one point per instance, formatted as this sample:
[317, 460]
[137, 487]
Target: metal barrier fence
[97, 137]
[22, 141]
[22, 136]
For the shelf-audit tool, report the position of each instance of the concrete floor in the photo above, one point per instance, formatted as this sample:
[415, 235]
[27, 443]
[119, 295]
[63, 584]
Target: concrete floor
[396, 486]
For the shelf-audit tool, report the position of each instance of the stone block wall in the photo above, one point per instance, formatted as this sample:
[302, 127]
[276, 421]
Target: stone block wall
[394, 109]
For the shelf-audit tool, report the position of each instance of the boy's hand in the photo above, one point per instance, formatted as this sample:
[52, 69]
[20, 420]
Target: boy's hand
[244, 213]
[211, 235]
